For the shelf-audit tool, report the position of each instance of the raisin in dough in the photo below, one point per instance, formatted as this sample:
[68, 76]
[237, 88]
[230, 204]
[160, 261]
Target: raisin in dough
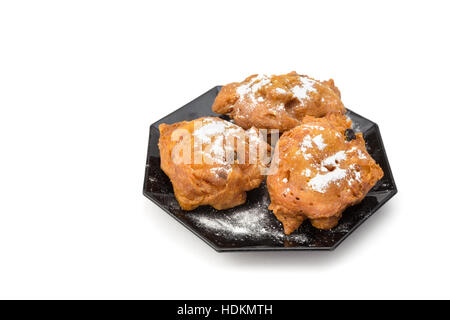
[320, 173]
[277, 101]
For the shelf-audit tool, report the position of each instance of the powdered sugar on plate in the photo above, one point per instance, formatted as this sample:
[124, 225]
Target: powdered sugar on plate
[243, 223]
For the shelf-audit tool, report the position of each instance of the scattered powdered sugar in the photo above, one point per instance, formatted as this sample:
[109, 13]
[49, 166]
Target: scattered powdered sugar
[318, 140]
[356, 173]
[321, 182]
[285, 180]
[342, 227]
[331, 160]
[356, 126]
[306, 143]
[306, 172]
[209, 130]
[217, 148]
[217, 141]
[328, 171]
[361, 155]
[301, 92]
[263, 80]
[222, 171]
[255, 223]
[253, 136]
[214, 134]
[312, 126]
[251, 88]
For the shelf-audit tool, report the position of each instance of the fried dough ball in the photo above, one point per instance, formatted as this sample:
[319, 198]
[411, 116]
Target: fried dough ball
[277, 101]
[208, 162]
[323, 168]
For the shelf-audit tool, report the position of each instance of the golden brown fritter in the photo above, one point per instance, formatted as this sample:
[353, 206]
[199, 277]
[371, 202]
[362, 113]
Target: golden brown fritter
[277, 101]
[220, 171]
[320, 173]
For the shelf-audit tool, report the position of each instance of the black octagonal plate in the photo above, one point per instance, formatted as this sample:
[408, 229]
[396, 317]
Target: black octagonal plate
[251, 226]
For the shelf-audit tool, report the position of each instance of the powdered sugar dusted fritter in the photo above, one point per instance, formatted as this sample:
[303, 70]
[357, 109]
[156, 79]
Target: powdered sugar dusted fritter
[321, 171]
[277, 101]
[204, 167]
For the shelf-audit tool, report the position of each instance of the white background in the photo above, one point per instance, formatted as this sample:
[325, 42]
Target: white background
[81, 81]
